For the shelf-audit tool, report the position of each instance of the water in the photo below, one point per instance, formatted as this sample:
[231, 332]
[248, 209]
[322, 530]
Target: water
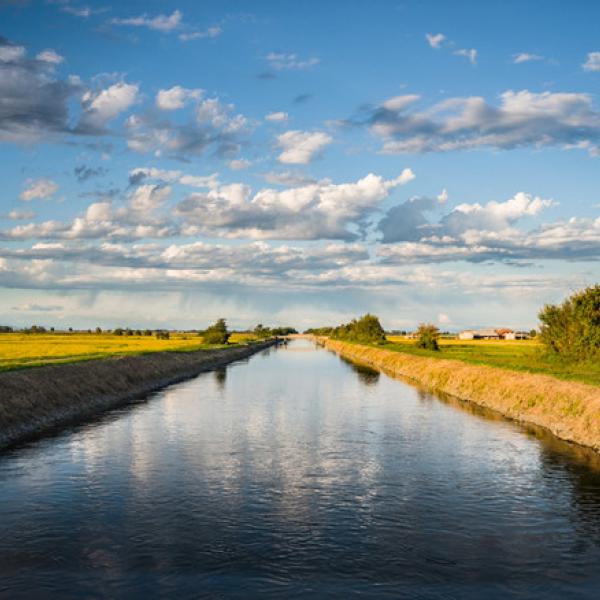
[297, 474]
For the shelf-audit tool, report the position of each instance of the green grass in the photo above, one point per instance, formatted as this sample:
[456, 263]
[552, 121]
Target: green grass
[523, 355]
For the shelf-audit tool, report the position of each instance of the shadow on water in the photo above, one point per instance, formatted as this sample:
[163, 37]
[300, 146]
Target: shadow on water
[366, 374]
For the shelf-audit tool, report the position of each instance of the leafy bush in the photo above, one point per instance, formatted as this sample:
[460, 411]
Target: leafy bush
[262, 332]
[366, 330]
[217, 333]
[428, 335]
[572, 329]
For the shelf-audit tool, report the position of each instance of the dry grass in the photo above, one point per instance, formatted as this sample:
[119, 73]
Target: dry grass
[568, 409]
[18, 350]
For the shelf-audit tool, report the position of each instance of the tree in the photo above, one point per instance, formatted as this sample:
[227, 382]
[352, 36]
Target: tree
[98, 330]
[216, 333]
[572, 329]
[261, 332]
[162, 335]
[532, 333]
[428, 335]
[366, 330]
[118, 331]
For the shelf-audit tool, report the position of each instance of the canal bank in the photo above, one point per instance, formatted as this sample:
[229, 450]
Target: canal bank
[38, 399]
[569, 410]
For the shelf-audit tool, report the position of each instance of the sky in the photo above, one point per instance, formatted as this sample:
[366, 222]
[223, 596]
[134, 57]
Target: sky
[165, 164]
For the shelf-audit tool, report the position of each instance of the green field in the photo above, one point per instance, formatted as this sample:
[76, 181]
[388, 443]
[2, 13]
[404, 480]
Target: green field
[20, 350]
[522, 355]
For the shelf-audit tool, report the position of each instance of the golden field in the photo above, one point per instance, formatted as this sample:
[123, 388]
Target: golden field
[19, 350]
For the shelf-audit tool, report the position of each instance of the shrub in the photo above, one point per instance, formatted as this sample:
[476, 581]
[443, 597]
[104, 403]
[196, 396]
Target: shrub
[163, 335]
[216, 333]
[118, 331]
[428, 335]
[366, 330]
[147, 332]
[572, 329]
[262, 332]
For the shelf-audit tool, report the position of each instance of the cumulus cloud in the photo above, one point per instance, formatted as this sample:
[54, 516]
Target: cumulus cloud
[470, 54]
[33, 102]
[523, 57]
[408, 221]
[277, 117]
[50, 56]
[176, 97]
[162, 23]
[485, 232]
[103, 105]
[215, 125]
[593, 62]
[435, 41]
[524, 118]
[321, 210]
[39, 189]
[288, 62]
[300, 147]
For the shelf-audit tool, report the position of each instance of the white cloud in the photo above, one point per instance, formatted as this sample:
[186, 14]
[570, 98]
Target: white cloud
[101, 106]
[435, 41]
[176, 97]
[526, 57]
[163, 23]
[50, 56]
[212, 112]
[443, 319]
[211, 32]
[321, 210]
[39, 189]
[277, 117]
[239, 164]
[522, 118]
[300, 147]
[593, 62]
[21, 215]
[11, 53]
[287, 62]
[471, 54]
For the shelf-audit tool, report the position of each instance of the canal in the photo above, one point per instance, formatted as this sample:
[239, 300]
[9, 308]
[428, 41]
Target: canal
[297, 474]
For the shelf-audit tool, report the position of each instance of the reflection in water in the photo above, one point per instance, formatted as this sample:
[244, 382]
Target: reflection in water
[221, 377]
[365, 373]
[297, 474]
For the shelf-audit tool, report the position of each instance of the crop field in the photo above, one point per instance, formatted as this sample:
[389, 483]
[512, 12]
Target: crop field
[18, 350]
[519, 355]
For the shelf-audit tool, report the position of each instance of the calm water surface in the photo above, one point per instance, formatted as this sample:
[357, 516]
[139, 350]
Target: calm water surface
[298, 474]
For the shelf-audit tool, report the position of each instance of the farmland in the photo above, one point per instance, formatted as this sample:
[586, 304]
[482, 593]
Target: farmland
[19, 350]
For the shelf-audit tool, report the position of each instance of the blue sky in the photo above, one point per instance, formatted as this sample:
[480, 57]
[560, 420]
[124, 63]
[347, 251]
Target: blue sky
[168, 163]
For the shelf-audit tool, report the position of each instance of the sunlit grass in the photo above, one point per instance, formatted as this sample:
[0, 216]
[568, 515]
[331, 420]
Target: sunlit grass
[19, 350]
[517, 355]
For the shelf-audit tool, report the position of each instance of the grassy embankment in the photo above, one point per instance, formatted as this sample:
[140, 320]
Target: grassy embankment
[521, 355]
[20, 350]
[569, 409]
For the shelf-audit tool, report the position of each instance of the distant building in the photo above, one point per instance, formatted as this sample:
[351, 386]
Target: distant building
[517, 335]
[478, 334]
